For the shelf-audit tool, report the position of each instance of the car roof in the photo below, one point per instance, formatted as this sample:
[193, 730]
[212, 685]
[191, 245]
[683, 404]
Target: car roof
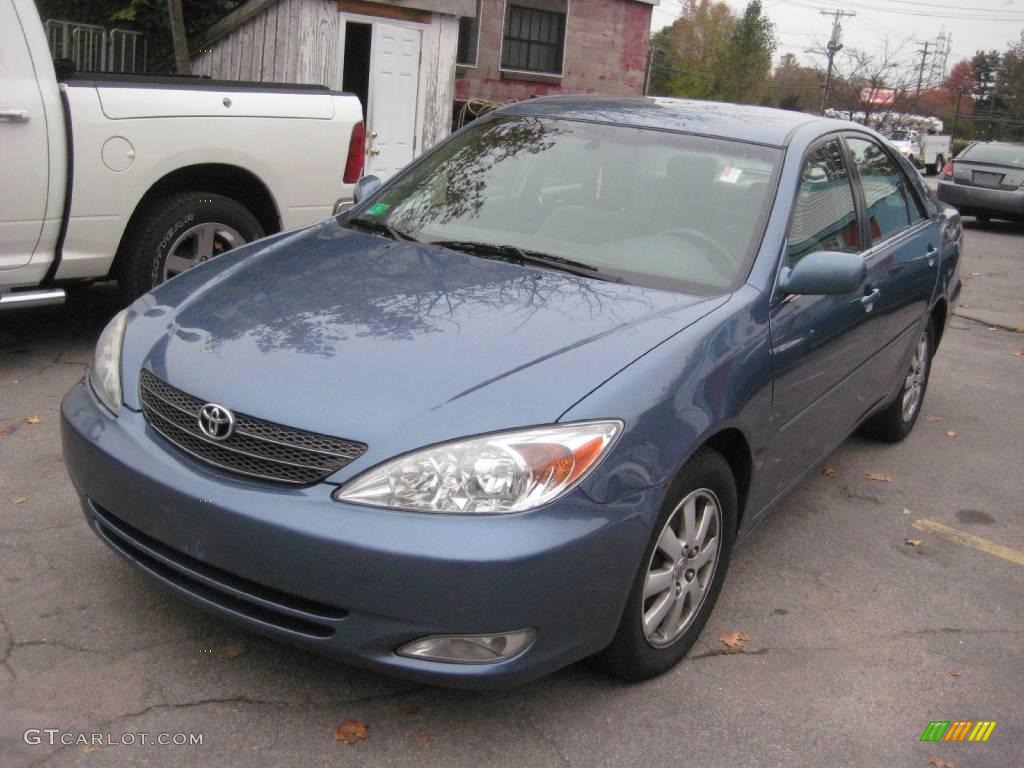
[709, 118]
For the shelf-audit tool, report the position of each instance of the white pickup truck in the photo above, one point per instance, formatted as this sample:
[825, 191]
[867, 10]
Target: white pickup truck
[139, 178]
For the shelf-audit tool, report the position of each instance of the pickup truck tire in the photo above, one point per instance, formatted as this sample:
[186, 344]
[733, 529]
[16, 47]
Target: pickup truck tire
[895, 422]
[176, 232]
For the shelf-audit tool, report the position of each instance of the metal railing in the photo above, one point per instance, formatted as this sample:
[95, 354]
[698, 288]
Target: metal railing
[95, 49]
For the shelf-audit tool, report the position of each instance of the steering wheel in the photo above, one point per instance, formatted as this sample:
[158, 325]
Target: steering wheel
[689, 233]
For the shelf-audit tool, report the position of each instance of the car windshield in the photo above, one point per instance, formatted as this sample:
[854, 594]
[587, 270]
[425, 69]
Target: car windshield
[647, 207]
[1002, 154]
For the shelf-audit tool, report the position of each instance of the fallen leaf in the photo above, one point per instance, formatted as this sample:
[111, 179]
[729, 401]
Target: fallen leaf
[3, 431]
[424, 738]
[830, 472]
[735, 640]
[410, 709]
[232, 650]
[975, 274]
[91, 748]
[608, 719]
[351, 731]
[32, 420]
[940, 763]
[19, 499]
[1019, 352]
[913, 542]
[993, 327]
[879, 476]
[951, 433]
[933, 418]
[966, 306]
[954, 673]
[1020, 329]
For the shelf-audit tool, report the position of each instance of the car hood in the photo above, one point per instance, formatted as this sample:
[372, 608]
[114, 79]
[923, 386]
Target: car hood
[394, 344]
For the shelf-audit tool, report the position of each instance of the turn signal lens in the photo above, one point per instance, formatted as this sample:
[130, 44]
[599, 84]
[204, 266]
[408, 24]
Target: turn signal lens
[493, 474]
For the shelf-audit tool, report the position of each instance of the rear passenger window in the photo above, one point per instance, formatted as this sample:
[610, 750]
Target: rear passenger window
[890, 204]
[824, 218]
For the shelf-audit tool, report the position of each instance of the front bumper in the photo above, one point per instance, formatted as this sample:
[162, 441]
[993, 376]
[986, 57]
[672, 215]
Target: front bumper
[355, 582]
[982, 200]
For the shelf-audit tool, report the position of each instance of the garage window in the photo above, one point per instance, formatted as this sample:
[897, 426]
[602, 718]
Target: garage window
[533, 40]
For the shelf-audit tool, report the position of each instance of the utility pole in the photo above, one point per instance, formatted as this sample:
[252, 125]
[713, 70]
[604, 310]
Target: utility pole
[956, 118]
[920, 71]
[833, 47]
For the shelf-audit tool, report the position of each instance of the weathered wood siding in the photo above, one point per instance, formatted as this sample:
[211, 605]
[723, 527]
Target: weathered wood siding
[292, 41]
[437, 80]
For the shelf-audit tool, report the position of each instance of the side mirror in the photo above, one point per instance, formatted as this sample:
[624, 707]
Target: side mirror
[365, 187]
[825, 273]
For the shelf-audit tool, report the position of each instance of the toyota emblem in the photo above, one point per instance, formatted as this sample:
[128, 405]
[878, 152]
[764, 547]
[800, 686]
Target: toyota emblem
[216, 421]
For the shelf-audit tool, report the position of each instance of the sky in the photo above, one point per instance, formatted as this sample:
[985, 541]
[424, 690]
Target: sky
[973, 24]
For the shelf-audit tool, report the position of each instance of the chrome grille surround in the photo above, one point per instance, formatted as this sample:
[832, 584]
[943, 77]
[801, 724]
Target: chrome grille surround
[256, 448]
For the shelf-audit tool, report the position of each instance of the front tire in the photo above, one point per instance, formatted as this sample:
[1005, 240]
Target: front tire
[898, 419]
[681, 573]
[177, 232]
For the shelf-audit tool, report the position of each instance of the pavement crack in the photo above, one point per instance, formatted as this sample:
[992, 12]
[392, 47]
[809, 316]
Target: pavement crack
[5, 662]
[1000, 326]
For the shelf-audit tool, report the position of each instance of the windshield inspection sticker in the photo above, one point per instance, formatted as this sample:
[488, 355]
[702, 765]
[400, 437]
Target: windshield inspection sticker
[377, 209]
[730, 174]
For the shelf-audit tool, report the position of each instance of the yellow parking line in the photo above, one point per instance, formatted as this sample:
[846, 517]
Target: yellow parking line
[975, 542]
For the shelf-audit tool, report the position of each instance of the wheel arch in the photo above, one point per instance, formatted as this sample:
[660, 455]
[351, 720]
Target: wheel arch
[231, 181]
[733, 446]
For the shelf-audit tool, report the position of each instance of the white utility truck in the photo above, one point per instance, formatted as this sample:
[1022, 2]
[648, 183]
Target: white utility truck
[138, 178]
[925, 150]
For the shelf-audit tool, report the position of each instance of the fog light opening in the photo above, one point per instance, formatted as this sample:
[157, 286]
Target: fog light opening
[470, 649]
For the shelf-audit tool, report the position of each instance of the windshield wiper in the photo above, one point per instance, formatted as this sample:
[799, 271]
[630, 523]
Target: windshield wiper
[522, 256]
[382, 228]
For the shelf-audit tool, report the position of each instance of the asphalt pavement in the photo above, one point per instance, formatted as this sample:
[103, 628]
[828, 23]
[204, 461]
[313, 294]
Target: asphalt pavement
[872, 607]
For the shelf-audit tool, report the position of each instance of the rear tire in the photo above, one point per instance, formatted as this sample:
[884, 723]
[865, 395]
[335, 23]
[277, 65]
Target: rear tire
[644, 645]
[898, 419]
[176, 232]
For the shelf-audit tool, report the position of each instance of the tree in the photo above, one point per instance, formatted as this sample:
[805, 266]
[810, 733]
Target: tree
[710, 53]
[794, 86]
[871, 87]
[745, 62]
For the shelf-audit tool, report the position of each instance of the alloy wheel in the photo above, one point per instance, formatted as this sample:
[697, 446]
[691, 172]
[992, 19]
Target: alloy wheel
[681, 568]
[198, 244]
[913, 385]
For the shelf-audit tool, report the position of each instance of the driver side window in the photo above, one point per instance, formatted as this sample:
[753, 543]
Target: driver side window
[824, 218]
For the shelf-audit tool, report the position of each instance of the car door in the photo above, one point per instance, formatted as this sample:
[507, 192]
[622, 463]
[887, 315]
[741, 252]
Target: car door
[23, 146]
[903, 243]
[821, 345]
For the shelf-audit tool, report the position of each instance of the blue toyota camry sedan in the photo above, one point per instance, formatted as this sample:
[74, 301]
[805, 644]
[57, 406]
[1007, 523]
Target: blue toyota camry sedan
[517, 405]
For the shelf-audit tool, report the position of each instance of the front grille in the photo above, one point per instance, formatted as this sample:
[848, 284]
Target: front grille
[213, 585]
[256, 448]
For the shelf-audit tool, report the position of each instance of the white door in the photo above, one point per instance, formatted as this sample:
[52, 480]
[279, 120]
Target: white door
[24, 157]
[394, 77]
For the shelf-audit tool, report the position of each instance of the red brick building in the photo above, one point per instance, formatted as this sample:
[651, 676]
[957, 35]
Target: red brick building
[516, 48]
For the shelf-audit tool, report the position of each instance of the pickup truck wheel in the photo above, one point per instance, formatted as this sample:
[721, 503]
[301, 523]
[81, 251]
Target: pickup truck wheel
[681, 573]
[895, 422]
[177, 233]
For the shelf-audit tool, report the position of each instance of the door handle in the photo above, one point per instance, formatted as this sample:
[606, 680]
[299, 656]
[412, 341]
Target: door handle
[14, 115]
[868, 300]
[930, 255]
[374, 151]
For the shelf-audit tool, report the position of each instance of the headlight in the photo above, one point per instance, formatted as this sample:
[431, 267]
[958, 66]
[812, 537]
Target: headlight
[506, 472]
[105, 374]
